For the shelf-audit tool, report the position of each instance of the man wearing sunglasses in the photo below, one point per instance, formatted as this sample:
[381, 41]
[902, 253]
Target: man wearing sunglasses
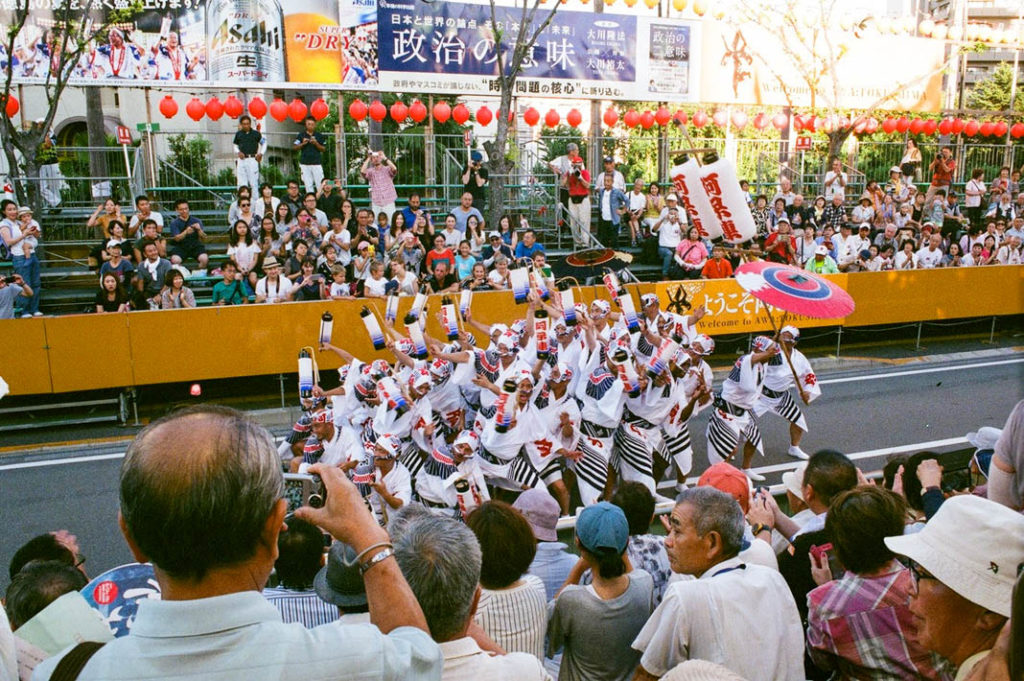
[964, 563]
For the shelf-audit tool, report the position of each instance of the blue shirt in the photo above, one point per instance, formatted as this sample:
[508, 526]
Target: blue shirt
[552, 564]
[178, 226]
[462, 217]
[310, 155]
[524, 251]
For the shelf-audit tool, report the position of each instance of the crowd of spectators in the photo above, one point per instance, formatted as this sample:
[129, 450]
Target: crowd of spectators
[903, 578]
[395, 245]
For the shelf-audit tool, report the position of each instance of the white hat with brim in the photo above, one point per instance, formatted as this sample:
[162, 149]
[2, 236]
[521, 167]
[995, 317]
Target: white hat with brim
[794, 481]
[973, 546]
[985, 437]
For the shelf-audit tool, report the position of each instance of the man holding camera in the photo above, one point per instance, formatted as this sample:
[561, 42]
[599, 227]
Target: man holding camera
[311, 145]
[474, 179]
[250, 145]
[380, 172]
[10, 289]
[577, 182]
[942, 173]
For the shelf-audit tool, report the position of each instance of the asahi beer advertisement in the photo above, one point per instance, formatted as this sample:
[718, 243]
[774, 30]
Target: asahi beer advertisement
[445, 47]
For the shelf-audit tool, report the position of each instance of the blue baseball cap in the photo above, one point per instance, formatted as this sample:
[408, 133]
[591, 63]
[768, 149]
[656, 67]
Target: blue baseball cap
[602, 526]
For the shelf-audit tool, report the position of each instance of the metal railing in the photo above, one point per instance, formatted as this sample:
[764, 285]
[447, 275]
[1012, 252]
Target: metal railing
[89, 175]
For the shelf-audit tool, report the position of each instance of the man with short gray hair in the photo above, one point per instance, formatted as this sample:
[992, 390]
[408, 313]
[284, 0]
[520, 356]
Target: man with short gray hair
[202, 498]
[739, 615]
[441, 559]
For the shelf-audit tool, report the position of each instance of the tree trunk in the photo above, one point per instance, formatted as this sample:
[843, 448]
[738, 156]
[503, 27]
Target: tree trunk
[96, 133]
[498, 165]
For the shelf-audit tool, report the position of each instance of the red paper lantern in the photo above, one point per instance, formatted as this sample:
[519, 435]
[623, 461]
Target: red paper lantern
[484, 116]
[761, 121]
[916, 126]
[986, 129]
[1000, 129]
[378, 111]
[357, 110]
[297, 110]
[1017, 130]
[958, 126]
[214, 108]
[828, 124]
[680, 117]
[195, 109]
[319, 109]
[574, 118]
[739, 119]
[971, 128]
[646, 120]
[417, 111]
[872, 126]
[780, 120]
[168, 107]
[815, 123]
[700, 119]
[860, 126]
[902, 125]
[720, 119]
[233, 107]
[442, 112]
[531, 117]
[611, 117]
[11, 105]
[798, 122]
[945, 126]
[631, 118]
[662, 116]
[257, 107]
[551, 118]
[278, 109]
[460, 114]
[930, 126]
[399, 112]
[889, 125]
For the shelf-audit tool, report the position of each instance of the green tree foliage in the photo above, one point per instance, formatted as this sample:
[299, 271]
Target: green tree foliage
[993, 93]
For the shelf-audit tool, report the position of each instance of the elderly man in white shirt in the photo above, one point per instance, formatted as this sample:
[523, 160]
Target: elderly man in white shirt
[930, 256]
[440, 558]
[739, 615]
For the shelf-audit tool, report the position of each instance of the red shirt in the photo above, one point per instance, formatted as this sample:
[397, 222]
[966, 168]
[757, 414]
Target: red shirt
[941, 177]
[433, 256]
[576, 188]
[715, 269]
[774, 244]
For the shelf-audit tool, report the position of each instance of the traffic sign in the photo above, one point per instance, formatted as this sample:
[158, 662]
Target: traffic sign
[803, 143]
[124, 135]
[147, 127]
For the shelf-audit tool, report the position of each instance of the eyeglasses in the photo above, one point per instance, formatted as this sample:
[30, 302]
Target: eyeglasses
[244, 205]
[919, 573]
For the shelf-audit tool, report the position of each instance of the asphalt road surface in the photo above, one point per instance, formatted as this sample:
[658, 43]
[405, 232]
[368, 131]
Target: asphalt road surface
[869, 415]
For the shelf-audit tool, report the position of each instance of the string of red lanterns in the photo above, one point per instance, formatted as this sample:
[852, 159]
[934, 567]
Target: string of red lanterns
[417, 112]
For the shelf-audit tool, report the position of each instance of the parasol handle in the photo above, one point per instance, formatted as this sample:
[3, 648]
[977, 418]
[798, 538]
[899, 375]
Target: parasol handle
[789, 362]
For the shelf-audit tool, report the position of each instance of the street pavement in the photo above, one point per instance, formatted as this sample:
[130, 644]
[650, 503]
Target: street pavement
[869, 412]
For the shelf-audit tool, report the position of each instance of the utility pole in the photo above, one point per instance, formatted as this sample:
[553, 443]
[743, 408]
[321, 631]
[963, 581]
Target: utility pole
[594, 162]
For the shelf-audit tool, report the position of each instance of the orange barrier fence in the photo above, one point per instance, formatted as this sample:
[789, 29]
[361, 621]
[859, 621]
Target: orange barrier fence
[89, 352]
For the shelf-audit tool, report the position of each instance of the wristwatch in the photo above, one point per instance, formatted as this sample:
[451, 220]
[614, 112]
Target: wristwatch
[759, 528]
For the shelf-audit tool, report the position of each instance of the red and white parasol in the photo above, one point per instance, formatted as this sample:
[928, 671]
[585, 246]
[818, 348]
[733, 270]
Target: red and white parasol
[794, 290]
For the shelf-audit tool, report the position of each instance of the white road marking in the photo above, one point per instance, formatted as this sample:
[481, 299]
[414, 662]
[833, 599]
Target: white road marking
[914, 372]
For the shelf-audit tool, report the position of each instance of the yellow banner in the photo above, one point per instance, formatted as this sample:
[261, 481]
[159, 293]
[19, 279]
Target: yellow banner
[225, 342]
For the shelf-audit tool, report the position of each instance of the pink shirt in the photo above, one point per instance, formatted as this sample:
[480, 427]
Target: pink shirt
[382, 189]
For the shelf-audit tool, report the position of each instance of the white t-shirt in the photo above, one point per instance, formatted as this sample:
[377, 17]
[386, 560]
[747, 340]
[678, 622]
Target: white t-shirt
[835, 188]
[135, 223]
[901, 259]
[928, 259]
[670, 234]
[637, 201]
[1008, 256]
[973, 186]
[374, 287]
[496, 279]
[244, 255]
[276, 293]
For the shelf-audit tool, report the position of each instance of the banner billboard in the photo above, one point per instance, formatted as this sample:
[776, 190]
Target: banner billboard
[450, 48]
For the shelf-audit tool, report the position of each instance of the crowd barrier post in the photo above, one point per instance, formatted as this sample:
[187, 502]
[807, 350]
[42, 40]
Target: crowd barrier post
[992, 332]
[839, 339]
[917, 345]
[280, 380]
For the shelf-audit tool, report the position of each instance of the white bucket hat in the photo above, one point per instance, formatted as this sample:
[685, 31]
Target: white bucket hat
[972, 545]
[794, 481]
[985, 437]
